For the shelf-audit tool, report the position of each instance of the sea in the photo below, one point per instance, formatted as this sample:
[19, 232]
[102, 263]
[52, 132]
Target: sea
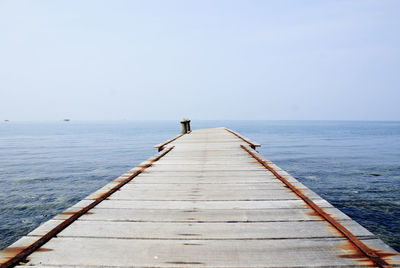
[46, 167]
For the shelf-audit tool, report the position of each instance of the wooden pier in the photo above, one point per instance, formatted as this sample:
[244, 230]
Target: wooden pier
[207, 199]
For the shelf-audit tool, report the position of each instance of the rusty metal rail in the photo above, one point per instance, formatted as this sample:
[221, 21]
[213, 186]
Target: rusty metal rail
[25, 252]
[372, 254]
[252, 144]
[161, 146]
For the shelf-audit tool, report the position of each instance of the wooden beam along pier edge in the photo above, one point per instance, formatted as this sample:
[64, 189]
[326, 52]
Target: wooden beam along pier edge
[207, 199]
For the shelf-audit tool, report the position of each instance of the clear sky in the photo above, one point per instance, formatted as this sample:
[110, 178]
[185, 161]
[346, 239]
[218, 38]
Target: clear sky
[113, 60]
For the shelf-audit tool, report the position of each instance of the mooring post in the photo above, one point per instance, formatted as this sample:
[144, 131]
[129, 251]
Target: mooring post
[188, 125]
[183, 126]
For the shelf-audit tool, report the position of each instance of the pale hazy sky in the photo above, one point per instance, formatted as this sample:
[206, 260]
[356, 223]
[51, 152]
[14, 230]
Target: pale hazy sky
[112, 60]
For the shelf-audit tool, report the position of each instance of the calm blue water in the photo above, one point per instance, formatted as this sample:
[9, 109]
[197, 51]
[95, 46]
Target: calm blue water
[47, 167]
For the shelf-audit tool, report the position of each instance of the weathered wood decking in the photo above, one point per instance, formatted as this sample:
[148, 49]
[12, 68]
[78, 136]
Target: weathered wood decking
[205, 203]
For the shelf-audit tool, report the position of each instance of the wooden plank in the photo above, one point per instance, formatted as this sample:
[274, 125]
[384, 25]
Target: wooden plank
[208, 180]
[197, 194]
[205, 215]
[200, 168]
[210, 173]
[190, 205]
[228, 186]
[201, 181]
[210, 253]
[201, 231]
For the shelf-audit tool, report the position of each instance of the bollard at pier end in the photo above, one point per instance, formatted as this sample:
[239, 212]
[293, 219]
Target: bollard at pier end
[183, 126]
[187, 126]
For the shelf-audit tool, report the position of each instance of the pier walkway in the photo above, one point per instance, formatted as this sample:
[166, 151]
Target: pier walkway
[207, 199]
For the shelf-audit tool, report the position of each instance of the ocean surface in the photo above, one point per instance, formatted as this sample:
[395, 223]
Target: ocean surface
[47, 167]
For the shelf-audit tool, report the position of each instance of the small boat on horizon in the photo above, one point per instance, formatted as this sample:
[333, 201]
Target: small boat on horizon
[67, 120]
